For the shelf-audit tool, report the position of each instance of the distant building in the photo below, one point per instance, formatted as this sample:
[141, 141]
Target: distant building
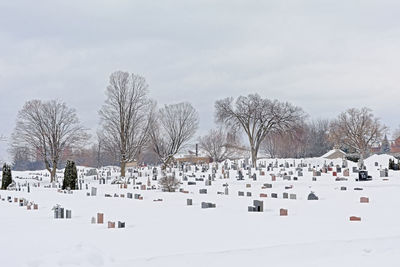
[335, 154]
[394, 147]
[191, 157]
[131, 164]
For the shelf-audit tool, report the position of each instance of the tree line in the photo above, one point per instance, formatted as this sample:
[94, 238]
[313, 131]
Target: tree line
[134, 128]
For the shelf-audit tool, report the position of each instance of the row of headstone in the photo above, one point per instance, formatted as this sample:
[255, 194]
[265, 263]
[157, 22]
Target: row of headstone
[59, 213]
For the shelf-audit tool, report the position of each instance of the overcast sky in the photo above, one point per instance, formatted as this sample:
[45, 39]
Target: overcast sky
[324, 56]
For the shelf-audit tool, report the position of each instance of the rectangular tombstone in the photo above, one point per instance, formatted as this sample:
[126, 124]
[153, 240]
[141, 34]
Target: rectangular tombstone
[100, 218]
[283, 212]
[248, 194]
[258, 205]
[355, 218]
[364, 200]
[204, 205]
[68, 214]
[203, 191]
[274, 195]
[111, 224]
[285, 195]
[263, 195]
[189, 202]
[121, 224]
[292, 196]
[240, 193]
[93, 191]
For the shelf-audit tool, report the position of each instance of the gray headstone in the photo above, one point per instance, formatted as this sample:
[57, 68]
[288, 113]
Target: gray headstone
[312, 196]
[258, 205]
[121, 224]
[94, 191]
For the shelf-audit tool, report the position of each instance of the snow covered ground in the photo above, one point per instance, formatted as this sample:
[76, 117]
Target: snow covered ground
[170, 233]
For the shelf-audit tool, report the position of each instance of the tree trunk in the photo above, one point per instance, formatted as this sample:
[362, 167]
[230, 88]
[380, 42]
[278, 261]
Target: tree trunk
[53, 173]
[164, 166]
[254, 157]
[52, 170]
[123, 167]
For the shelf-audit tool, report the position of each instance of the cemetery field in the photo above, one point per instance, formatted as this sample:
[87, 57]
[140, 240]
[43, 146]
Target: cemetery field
[161, 229]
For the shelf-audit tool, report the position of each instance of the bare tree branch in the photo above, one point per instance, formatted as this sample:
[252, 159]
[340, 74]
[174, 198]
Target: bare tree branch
[219, 144]
[48, 129]
[257, 117]
[172, 127]
[125, 117]
[356, 129]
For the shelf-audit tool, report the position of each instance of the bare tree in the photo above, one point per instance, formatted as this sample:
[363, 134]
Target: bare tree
[219, 144]
[172, 127]
[356, 129]
[257, 117]
[48, 129]
[169, 183]
[125, 117]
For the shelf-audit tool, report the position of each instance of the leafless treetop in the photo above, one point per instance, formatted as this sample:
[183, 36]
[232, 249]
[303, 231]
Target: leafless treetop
[125, 116]
[47, 129]
[257, 117]
[172, 128]
[357, 129]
